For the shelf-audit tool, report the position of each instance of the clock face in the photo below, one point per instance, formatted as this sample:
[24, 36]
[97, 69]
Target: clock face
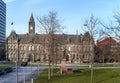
[31, 27]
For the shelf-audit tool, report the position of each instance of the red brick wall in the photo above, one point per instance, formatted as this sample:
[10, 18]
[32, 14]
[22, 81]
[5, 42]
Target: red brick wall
[106, 41]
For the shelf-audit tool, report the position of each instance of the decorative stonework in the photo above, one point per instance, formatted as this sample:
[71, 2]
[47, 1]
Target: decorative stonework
[75, 48]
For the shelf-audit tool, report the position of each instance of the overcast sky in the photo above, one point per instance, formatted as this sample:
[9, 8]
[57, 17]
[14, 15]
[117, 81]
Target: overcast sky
[72, 12]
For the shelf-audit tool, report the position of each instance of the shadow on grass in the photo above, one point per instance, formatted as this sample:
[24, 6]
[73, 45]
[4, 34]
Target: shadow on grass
[114, 76]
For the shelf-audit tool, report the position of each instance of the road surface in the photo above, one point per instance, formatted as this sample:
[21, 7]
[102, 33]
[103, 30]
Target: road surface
[23, 73]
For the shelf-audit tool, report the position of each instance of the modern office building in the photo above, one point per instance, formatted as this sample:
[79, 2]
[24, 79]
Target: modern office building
[2, 29]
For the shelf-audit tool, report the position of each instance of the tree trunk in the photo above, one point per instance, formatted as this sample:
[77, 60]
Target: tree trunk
[49, 69]
[52, 69]
[91, 79]
[103, 60]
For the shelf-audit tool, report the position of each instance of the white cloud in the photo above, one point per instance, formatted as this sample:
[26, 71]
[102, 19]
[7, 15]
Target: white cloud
[7, 1]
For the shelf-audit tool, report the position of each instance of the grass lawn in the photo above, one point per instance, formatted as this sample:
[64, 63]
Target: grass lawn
[82, 76]
[3, 67]
[106, 65]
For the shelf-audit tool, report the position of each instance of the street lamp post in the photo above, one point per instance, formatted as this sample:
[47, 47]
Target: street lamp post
[31, 63]
[31, 67]
[16, 72]
[16, 65]
[24, 74]
[24, 64]
[30, 56]
[38, 62]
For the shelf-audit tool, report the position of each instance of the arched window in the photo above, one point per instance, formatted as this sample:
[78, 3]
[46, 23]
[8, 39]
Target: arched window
[29, 48]
[77, 56]
[91, 49]
[15, 55]
[14, 48]
[12, 55]
[69, 48]
[9, 47]
[73, 56]
[9, 55]
[25, 56]
[83, 56]
[24, 47]
[37, 47]
[32, 47]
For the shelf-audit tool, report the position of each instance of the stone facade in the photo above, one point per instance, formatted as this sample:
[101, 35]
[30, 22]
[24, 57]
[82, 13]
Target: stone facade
[31, 46]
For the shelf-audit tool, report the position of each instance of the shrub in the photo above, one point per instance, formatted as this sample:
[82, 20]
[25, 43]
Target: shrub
[24, 64]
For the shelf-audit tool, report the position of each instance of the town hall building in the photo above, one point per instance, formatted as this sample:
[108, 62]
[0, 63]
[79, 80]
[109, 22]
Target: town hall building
[77, 48]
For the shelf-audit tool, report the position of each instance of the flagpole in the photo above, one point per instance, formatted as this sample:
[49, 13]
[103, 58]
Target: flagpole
[16, 59]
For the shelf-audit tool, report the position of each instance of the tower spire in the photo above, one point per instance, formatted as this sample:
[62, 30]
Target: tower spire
[31, 25]
[31, 18]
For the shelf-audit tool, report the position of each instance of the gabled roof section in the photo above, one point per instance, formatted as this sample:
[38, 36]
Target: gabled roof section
[13, 36]
[108, 40]
[86, 36]
[72, 39]
[27, 38]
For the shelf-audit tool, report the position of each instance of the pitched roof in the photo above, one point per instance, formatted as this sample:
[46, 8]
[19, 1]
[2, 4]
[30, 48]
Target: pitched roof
[39, 38]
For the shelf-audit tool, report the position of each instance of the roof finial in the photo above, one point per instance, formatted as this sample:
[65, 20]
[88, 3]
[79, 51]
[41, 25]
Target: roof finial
[31, 13]
[31, 18]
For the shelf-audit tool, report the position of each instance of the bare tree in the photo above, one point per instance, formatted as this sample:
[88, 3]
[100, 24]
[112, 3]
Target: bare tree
[91, 27]
[113, 30]
[117, 51]
[50, 25]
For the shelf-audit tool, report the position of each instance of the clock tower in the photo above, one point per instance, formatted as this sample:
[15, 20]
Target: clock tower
[31, 25]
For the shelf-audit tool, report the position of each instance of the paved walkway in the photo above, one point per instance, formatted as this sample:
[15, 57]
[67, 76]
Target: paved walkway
[23, 73]
[32, 76]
